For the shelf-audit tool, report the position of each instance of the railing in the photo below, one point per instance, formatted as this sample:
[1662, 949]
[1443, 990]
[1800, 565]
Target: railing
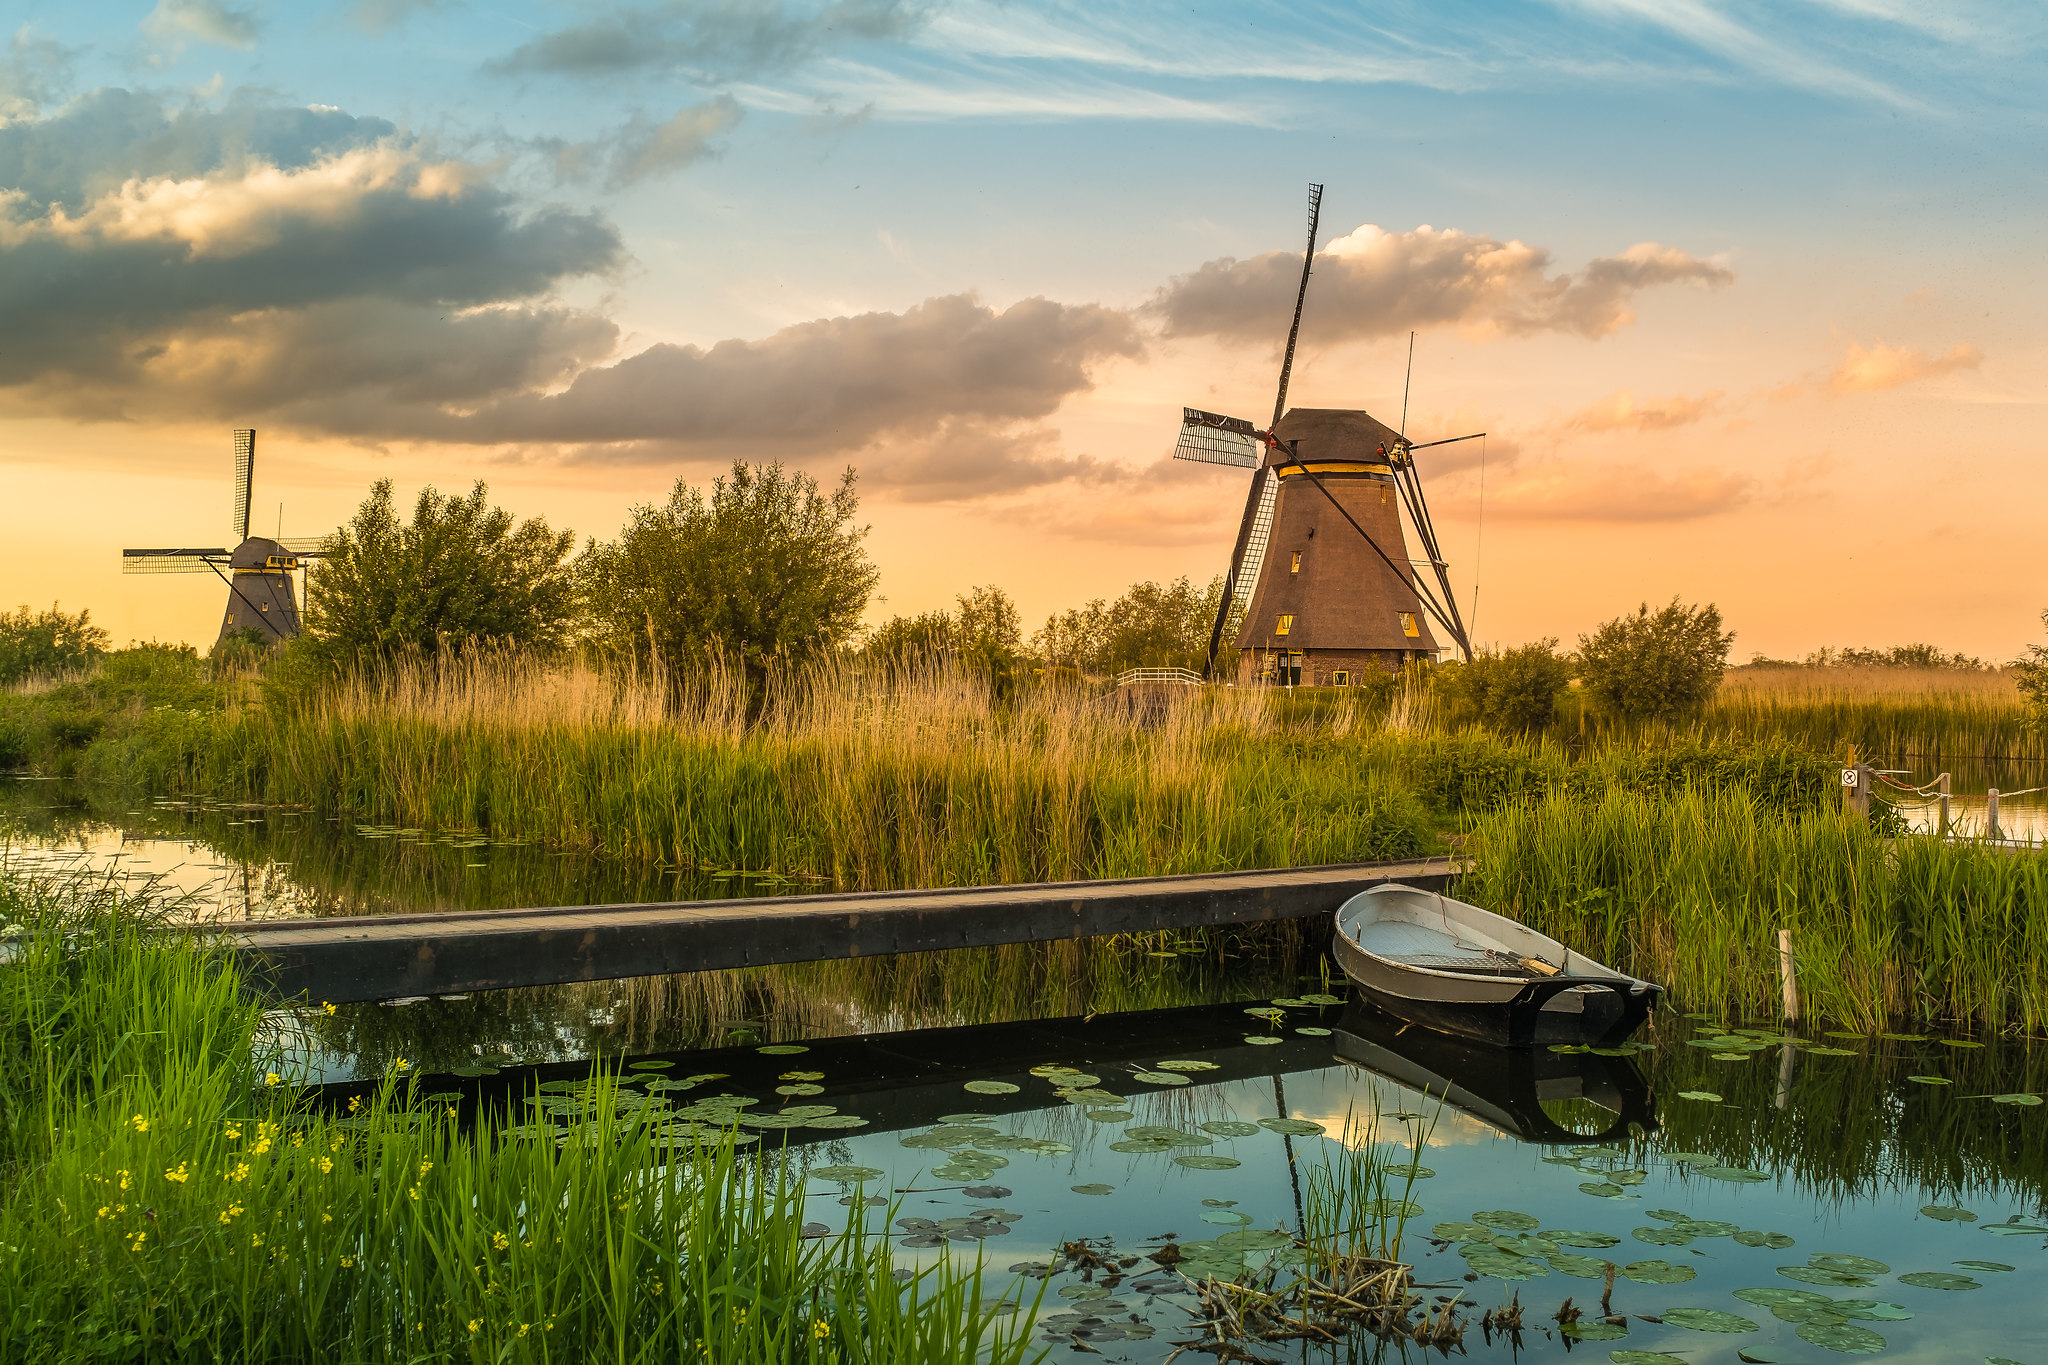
[1186, 677]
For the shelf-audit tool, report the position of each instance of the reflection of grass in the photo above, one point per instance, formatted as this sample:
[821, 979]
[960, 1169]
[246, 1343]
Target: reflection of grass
[160, 1203]
[1691, 889]
[1853, 1126]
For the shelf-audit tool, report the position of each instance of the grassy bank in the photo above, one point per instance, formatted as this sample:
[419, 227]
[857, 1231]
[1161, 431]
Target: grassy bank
[162, 1203]
[1691, 889]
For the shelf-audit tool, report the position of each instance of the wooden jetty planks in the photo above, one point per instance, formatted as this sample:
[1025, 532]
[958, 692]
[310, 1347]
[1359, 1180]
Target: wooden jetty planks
[379, 957]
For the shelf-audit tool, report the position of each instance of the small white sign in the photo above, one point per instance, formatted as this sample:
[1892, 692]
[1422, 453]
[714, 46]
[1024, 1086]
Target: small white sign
[1848, 777]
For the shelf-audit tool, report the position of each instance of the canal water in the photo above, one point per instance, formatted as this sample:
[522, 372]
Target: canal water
[1081, 1117]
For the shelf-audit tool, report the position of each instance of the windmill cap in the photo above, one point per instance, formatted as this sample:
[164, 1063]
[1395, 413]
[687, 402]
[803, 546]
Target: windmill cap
[1334, 434]
[255, 552]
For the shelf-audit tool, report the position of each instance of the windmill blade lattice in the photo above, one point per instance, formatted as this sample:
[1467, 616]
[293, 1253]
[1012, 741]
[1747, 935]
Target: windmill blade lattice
[1212, 438]
[172, 561]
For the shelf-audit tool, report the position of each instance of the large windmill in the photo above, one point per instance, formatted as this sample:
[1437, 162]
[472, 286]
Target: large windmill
[258, 571]
[1320, 552]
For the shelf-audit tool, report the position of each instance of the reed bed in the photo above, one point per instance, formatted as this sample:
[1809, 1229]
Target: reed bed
[1690, 889]
[1926, 717]
[162, 1202]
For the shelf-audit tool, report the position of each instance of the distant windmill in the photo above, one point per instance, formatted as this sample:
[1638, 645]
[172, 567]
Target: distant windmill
[258, 571]
[1320, 551]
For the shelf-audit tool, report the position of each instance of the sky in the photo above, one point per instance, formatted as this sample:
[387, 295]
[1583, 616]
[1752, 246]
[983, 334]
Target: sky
[1750, 299]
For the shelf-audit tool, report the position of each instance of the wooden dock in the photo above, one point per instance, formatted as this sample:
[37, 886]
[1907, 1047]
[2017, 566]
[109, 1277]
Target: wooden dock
[383, 957]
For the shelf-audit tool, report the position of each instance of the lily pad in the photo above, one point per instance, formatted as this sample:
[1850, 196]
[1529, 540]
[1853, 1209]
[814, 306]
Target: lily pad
[1847, 1264]
[2014, 1227]
[1994, 1266]
[1939, 1279]
[1227, 1217]
[1156, 1132]
[1831, 1052]
[1658, 1272]
[1525, 1244]
[836, 1121]
[1662, 1237]
[845, 1173]
[1738, 1175]
[1323, 999]
[1960, 1042]
[1584, 1239]
[1096, 1188]
[1708, 1320]
[782, 1049]
[1813, 1274]
[1506, 1220]
[1690, 1158]
[1931, 1080]
[1707, 1095]
[1875, 1309]
[1771, 1297]
[1141, 1146]
[1501, 1266]
[1601, 1189]
[1262, 1039]
[1159, 1077]
[1293, 1127]
[986, 1192]
[1108, 1115]
[2016, 1099]
[1230, 1128]
[990, 1088]
[1461, 1232]
[1571, 1263]
[1777, 1241]
[1845, 1337]
[1208, 1163]
[1645, 1358]
[1592, 1329]
[800, 1088]
[1947, 1213]
[1409, 1170]
[1186, 1066]
[1313, 1032]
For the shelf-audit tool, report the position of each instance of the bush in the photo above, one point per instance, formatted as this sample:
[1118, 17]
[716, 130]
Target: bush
[2031, 672]
[40, 643]
[1662, 665]
[1515, 690]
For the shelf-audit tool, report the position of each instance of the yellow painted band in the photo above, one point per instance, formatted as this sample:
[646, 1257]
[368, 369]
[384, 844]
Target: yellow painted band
[1286, 471]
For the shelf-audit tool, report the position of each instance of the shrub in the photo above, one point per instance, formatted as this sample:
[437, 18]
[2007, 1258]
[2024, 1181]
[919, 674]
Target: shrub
[1661, 665]
[1514, 690]
[45, 642]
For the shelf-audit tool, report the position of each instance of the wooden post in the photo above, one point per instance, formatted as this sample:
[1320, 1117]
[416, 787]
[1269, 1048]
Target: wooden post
[1991, 829]
[1788, 976]
[1856, 787]
[1943, 830]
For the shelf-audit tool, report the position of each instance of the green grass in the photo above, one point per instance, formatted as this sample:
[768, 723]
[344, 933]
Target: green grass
[162, 1203]
[1690, 889]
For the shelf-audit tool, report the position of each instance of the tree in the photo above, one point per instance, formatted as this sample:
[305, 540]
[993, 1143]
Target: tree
[1152, 625]
[1516, 689]
[460, 574]
[767, 571]
[43, 642]
[909, 641]
[1658, 665]
[2031, 672]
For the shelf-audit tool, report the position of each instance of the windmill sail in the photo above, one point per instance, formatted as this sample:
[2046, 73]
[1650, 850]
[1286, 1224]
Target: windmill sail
[172, 561]
[245, 473]
[1212, 438]
[1255, 542]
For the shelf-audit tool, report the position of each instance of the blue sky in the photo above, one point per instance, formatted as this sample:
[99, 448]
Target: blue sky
[1731, 285]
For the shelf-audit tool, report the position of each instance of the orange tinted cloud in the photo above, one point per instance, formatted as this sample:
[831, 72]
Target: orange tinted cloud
[1866, 369]
[1623, 411]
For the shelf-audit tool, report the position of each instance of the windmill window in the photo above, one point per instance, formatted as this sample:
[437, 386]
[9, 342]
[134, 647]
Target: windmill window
[1296, 567]
[1285, 624]
[1342, 677]
[1408, 625]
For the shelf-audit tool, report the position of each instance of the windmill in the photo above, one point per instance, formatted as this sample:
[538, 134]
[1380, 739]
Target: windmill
[1320, 560]
[258, 571]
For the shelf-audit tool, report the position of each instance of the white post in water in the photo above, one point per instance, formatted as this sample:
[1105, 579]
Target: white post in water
[1991, 829]
[1943, 830]
[1788, 976]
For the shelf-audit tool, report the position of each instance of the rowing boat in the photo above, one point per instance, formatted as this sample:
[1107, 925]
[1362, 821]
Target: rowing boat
[1447, 965]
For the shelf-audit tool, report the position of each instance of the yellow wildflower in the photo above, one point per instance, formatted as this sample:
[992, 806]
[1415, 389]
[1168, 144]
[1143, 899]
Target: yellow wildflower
[140, 1124]
[326, 1007]
[475, 1323]
[272, 1078]
[524, 1328]
[124, 1178]
[182, 1174]
[230, 1213]
[240, 1172]
[401, 1065]
[425, 1166]
[326, 1164]
[821, 1329]
[415, 1193]
[348, 1262]
[500, 1240]
[234, 1133]
[136, 1239]
[106, 1211]
[355, 1102]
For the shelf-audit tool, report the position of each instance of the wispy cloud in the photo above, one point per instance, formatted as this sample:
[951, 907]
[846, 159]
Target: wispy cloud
[1623, 411]
[206, 21]
[1866, 369]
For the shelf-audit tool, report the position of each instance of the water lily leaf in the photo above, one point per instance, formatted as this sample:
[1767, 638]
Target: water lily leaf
[1083, 1292]
[1394, 1208]
[1571, 1263]
[1691, 1158]
[1266, 1012]
[1141, 1146]
[1645, 1358]
[1848, 1265]
[1108, 1115]
[1772, 1297]
[1506, 1220]
[1092, 1188]
[1253, 1239]
[1207, 1163]
[1734, 1174]
[1939, 1279]
[800, 1088]
[2016, 1099]
[1730, 1056]
[1262, 1039]
[1231, 1128]
[1409, 1170]
[1706, 1095]
[1874, 1309]
[1813, 1274]
[1155, 1132]
[1323, 999]
[1658, 1272]
[1293, 1127]
[1984, 1265]
[836, 1121]
[845, 1173]
[1583, 1239]
[1093, 1097]
[795, 1075]
[1227, 1217]
[1313, 1032]
[1708, 1320]
[1906, 1037]
[1461, 1232]
[1931, 1080]
[1159, 1077]
[1186, 1066]
[1526, 1244]
[1839, 1033]
[990, 1088]
[649, 1066]
[782, 1049]
[1705, 1227]
[1830, 1052]
[1960, 1042]
[1501, 1266]
[1777, 1241]
[1662, 1237]
[1592, 1329]
[1600, 1188]
[2014, 1227]
[1947, 1213]
[986, 1192]
[1846, 1337]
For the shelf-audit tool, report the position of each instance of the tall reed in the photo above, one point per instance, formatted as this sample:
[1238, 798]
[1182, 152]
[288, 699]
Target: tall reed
[161, 1202]
[1690, 890]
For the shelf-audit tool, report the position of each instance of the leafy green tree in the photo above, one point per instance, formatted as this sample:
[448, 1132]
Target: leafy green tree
[1515, 689]
[44, 642]
[2030, 670]
[906, 641]
[1152, 625]
[460, 574]
[1659, 665]
[1898, 656]
[766, 571]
